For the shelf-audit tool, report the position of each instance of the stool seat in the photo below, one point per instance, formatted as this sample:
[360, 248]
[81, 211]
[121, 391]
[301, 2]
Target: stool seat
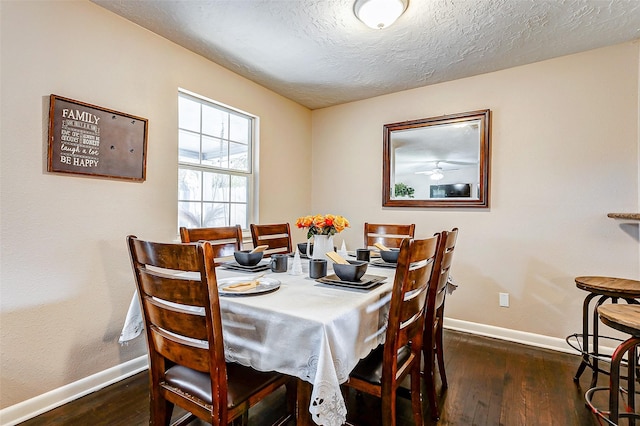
[625, 318]
[609, 286]
[602, 289]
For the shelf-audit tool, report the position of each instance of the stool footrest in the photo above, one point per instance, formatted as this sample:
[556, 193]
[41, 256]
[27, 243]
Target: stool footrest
[604, 414]
[575, 342]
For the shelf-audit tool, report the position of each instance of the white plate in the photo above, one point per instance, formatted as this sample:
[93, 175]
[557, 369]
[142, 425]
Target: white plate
[265, 285]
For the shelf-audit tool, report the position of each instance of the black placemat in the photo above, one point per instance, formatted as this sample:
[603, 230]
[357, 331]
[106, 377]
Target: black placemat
[365, 280]
[237, 267]
[382, 264]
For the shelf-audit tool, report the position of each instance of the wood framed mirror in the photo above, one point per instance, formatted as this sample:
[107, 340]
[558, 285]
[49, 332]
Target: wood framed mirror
[437, 162]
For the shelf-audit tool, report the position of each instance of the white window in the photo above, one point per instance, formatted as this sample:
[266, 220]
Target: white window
[215, 164]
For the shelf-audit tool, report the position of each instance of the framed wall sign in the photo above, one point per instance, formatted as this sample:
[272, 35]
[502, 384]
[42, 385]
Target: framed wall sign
[86, 139]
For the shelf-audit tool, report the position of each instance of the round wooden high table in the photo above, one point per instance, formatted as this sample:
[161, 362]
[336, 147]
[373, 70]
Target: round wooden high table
[603, 288]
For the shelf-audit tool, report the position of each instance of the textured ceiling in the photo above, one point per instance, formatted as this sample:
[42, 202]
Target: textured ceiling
[317, 53]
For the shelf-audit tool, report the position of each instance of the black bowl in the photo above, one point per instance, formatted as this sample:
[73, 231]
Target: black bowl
[390, 256]
[351, 272]
[246, 258]
[303, 248]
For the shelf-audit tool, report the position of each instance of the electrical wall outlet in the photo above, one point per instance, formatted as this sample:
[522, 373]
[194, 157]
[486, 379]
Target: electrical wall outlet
[504, 300]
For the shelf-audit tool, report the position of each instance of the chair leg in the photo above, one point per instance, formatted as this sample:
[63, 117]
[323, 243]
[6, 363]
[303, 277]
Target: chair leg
[161, 411]
[389, 410]
[244, 419]
[416, 401]
[292, 397]
[440, 353]
[428, 374]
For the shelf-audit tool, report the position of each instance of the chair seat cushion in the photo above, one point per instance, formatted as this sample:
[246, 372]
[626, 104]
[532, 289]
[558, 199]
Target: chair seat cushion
[369, 369]
[242, 382]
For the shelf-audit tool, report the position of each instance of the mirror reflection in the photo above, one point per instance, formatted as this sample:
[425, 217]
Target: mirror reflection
[437, 162]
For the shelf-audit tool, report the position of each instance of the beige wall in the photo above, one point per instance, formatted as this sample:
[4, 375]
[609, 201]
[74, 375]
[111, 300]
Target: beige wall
[564, 154]
[66, 281]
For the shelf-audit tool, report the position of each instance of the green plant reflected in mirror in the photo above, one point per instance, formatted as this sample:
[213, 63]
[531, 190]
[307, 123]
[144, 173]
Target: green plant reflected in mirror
[437, 162]
[402, 190]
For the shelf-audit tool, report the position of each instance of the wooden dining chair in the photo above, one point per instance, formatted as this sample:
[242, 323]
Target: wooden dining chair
[276, 236]
[179, 300]
[382, 371]
[434, 317]
[225, 240]
[387, 234]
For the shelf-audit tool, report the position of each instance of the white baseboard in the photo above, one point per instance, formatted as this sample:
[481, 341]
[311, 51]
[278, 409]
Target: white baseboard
[526, 338]
[30, 408]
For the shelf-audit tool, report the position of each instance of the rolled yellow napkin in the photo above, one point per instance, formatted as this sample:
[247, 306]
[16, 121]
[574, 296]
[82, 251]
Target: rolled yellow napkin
[239, 287]
[336, 258]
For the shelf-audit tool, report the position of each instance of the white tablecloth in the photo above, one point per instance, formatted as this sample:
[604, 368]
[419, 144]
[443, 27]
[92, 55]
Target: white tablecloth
[305, 329]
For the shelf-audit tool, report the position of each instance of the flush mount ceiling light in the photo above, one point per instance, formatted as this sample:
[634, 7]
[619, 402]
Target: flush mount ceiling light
[379, 14]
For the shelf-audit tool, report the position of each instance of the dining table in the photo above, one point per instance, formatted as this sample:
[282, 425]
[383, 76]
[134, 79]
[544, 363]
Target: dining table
[312, 330]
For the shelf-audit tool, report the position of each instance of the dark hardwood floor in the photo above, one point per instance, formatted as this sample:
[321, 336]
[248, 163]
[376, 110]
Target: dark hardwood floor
[491, 382]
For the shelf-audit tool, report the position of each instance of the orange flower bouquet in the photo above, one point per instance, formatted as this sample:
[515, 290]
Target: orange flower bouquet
[322, 224]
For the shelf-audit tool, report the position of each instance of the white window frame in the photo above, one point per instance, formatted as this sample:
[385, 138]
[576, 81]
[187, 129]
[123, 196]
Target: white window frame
[252, 175]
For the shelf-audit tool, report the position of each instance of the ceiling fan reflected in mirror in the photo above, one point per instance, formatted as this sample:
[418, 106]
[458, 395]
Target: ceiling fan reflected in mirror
[434, 174]
[437, 172]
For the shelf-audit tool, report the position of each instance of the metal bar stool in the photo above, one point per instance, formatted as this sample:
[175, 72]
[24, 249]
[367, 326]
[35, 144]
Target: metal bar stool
[603, 288]
[625, 318]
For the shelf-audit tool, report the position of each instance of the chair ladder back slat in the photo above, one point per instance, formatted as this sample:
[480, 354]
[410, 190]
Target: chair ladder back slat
[181, 257]
[276, 244]
[412, 308]
[409, 329]
[221, 233]
[390, 235]
[184, 322]
[173, 288]
[440, 297]
[391, 242]
[181, 351]
[225, 240]
[223, 251]
[276, 236]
